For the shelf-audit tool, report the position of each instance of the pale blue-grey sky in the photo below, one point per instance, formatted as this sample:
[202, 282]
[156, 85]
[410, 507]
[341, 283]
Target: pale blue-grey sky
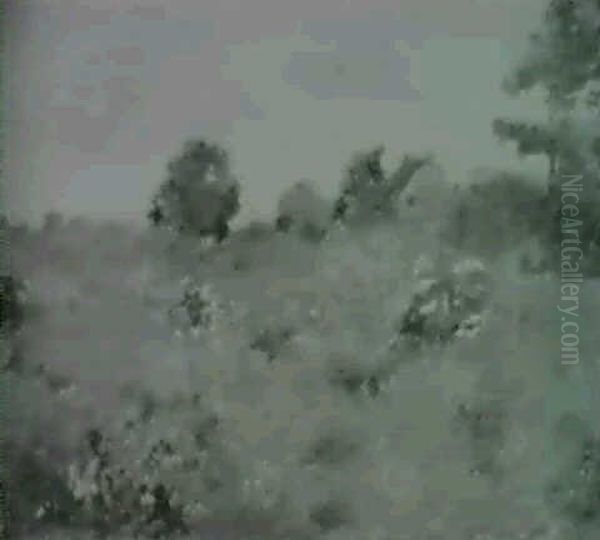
[103, 92]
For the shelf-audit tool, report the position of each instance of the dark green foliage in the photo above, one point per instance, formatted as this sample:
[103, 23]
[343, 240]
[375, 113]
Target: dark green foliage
[341, 206]
[563, 61]
[205, 431]
[196, 308]
[438, 314]
[196, 305]
[271, 341]
[588, 230]
[530, 139]
[417, 324]
[331, 449]
[493, 212]
[564, 56]
[350, 379]
[12, 304]
[255, 231]
[312, 232]
[331, 515]
[283, 223]
[357, 381]
[121, 500]
[164, 518]
[35, 489]
[16, 360]
[154, 495]
[53, 222]
[199, 196]
[368, 193]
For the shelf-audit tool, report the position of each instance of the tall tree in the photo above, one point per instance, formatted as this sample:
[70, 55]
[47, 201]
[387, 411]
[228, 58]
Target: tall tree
[563, 61]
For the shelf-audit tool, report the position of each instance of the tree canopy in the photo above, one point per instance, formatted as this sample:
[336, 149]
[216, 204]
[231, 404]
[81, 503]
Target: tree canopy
[199, 195]
[367, 191]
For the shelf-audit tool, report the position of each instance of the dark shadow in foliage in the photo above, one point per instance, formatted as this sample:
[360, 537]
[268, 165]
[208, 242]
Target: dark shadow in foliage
[196, 305]
[439, 314]
[255, 231]
[12, 308]
[356, 381]
[205, 431]
[331, 449]
[583, 229]
[495, 211]
[271, 341]
[350, 379]
[331, 515]
[16, 360]
[36, 493]
[53, 223]
[165, 519]
[284, 223]
[117, 503]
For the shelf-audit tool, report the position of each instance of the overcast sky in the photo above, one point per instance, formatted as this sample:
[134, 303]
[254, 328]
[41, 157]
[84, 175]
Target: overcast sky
[103, 92]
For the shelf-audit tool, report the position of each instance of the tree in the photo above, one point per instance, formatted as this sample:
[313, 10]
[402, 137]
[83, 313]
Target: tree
[367, 191]
[12, 303]
[564, 62]
[564, 58]
[301, 208]
[53, 221]
[200, 195]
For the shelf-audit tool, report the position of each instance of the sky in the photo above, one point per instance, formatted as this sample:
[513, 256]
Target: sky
[101, 93]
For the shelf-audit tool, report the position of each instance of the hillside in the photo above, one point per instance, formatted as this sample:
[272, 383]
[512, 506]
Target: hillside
[381, 383]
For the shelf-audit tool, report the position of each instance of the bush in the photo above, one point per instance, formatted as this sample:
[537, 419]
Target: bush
[301, 209]
[448, 307]
[495, 212]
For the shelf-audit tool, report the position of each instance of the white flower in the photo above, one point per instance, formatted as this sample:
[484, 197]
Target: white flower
[147, 499]
[470, 327]
[429, 308]
[424, 285]
[83, 484]
[468, 266]
[195, 511]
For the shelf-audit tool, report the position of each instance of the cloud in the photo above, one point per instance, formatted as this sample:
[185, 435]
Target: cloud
[334, 75]
[361, 58]
[148, 13]
[89, 125]
[130, 55]
[373, 32]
